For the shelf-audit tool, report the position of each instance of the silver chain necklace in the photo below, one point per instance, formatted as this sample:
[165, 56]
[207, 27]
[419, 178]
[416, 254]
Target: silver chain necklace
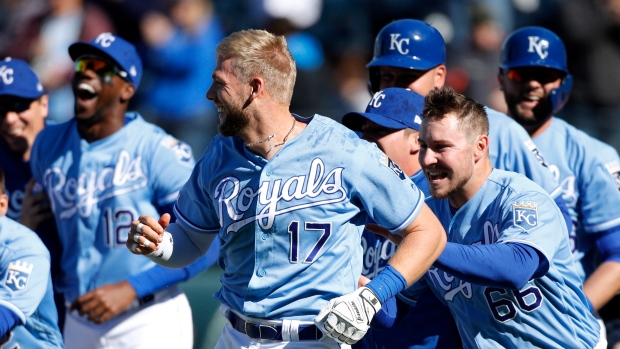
[268, 139]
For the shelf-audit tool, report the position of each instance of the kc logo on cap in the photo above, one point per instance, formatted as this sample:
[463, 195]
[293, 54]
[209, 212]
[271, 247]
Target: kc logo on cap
[114, 49]
[19, 80]
[105, 39]
[393, 108]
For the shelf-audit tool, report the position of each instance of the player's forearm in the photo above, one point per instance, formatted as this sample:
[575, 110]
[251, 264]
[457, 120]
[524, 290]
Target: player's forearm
[422, 243]
[603, 284]
[507, 266]
[187, 247]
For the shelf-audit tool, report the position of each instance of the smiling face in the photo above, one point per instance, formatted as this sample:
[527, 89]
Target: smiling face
[20, 122]
[526, 91]
[446, 157]
[97, 90]
[227, 92]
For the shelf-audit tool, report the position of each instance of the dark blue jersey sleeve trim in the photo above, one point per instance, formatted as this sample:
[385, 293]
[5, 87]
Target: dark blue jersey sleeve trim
[158, 277]
[8, 320]
[608, 243]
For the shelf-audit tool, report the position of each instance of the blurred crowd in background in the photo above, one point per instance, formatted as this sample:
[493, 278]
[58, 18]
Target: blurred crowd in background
[331, 41]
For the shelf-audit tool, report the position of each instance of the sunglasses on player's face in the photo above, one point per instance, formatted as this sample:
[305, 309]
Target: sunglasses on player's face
[16, 104]
[99, 66]
[542, 75]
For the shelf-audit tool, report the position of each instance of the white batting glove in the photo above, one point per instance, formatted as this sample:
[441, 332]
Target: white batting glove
[347, 318]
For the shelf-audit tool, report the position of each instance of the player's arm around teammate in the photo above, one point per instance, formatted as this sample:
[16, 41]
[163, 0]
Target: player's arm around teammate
[258, 130]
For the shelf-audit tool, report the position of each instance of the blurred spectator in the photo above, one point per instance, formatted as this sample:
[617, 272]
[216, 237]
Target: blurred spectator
[591, 32]
[44, 40]
[179, 59]
[470, 67]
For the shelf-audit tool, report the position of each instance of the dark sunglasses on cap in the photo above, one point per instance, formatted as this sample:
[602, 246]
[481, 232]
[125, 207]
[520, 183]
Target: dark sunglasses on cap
[15, 104]
[99, 66]
[542, 75]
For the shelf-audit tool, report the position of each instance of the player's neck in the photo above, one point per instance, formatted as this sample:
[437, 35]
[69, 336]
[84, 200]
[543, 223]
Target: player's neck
[102, 128]
[482, 170]
[541, 129]
[267, 137]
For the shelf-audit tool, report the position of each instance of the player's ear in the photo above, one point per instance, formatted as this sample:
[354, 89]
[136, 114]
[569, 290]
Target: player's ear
[4, 204]
[127, 91]
[482, 147]
[257, 86]
[500, 79]
[412, 140]
[44, 105]
[440, 75]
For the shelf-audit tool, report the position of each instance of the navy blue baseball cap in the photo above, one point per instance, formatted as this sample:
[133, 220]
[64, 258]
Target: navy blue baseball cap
[115, 49]
[19, 80]
[395, 108]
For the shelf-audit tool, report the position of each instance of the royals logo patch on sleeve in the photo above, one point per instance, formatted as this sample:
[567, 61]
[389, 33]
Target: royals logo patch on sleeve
[525, 214]
[387, 162]
[181, 149]
[17, 276]
[614, 169]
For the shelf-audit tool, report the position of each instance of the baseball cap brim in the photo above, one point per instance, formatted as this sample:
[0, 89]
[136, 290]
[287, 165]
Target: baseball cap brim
[402, 62]
[28, 94]
[80, 49]
[355, 121]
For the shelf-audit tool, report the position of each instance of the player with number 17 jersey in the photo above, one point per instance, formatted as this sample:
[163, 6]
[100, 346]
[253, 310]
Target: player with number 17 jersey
[310, 202]
[550, 310]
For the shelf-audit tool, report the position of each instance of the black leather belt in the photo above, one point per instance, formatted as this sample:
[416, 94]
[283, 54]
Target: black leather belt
[273, 332]
[146, 299]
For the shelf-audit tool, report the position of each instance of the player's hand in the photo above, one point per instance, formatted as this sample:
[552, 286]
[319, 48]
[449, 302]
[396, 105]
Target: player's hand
[105, 302]
[146, 233]
[35, 207]
[346, 319]
[381, 231]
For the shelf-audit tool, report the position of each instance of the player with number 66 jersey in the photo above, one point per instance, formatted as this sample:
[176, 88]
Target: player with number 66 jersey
[507, 273]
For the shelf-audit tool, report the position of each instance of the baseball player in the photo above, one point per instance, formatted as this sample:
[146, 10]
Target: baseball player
[392, 121]
[99, 170]
[289, 196]
[507, 273]
[411, 54]
[28, 317]
[23, 109]
[536, 84]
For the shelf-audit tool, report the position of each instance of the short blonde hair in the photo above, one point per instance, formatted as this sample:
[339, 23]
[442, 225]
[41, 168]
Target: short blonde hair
[260, 53]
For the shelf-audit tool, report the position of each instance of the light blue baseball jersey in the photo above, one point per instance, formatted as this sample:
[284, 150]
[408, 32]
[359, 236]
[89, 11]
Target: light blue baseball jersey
[512, 149]
[291, 227]
[97, 189]
[609, 156]
[588, 177]
[27, 288]
[550, 311]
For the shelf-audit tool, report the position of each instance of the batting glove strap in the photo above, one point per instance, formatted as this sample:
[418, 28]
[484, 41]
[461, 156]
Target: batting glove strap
[346, 319]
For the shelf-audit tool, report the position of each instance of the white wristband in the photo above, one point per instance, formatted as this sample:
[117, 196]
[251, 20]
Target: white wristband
[164, 249]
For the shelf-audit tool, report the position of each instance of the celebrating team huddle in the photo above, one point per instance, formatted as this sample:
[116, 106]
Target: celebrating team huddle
[427, 221]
